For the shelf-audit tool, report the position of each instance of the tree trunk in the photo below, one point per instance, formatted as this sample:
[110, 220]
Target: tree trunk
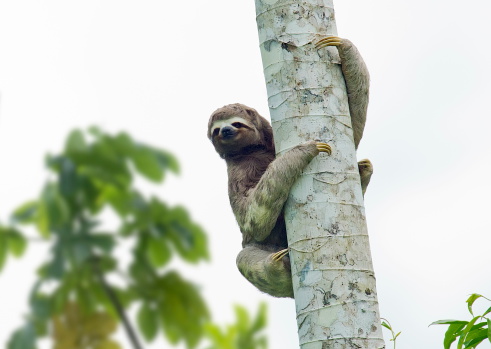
[333, 278]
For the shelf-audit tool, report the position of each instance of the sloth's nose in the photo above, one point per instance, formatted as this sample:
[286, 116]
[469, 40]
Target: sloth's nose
[227, 132]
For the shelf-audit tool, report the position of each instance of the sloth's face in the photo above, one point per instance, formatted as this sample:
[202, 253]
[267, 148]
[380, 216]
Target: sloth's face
[230, 136]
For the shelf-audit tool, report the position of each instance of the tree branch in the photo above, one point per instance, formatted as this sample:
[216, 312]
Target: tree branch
[113, 298]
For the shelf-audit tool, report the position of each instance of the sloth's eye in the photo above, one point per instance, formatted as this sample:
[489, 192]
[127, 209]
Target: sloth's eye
[215, 131]
[237, 125]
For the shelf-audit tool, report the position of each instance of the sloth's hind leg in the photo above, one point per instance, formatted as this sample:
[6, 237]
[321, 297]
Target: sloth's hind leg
[268, 271]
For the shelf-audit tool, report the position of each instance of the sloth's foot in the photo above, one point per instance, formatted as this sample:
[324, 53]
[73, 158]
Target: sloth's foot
[329, 41]
[365, 168]
[269, 272]
[324, 148]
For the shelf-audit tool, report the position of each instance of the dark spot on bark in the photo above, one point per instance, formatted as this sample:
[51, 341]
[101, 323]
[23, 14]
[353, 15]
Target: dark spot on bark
[304, 271]
[374, 328]
[267, 45]
[327, 298]
[342, 259]
[368, 292]
[288, 47]
[334, 229]
[308, 97]
[353, 286]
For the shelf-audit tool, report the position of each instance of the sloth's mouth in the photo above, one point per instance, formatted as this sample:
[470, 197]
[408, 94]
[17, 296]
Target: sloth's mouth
[226, 138]
[229, 135]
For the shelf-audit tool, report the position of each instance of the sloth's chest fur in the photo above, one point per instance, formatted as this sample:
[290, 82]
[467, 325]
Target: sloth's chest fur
[244, 174]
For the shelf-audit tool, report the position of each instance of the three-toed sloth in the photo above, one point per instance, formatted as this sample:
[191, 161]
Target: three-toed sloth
[259, 183]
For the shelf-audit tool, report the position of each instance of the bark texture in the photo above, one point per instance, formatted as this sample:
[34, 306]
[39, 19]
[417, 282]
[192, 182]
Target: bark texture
[333, 278]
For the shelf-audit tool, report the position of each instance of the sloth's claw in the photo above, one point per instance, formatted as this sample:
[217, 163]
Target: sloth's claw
[324, 147]
[278, 256]
[329, 41]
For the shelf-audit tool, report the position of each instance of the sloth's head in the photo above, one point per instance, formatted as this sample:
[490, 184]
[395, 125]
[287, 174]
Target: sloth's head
[236, 129]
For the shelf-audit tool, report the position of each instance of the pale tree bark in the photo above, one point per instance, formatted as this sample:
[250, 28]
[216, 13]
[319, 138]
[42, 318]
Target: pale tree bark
[333, 278]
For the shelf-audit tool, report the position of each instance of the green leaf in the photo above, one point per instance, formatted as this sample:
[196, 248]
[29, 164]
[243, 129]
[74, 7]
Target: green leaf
[90, 194]
[475, 337]
[107, 174]
[127, 296]
[166, 160]
[41, 306]
[79, 248]
[75, 143]
[235, 336]
[261, 318]
[141, 271]
[148, 321]
[124, 144]
[243, 320]
[465, 332]
[68, 177]
[24, 338]
[86, 298]
[3, 249]
[449, 322]
[17, 243]
[96, 132]
[187, 237]
[102, 164]
[387, 326]
[451, 334]
[53, 210]
[147, 163]
[43, 220]
[216, 336]
[470, 301]
[158, 252]
[60, 297]
[104, 242]
[182, 310]
[56, 268]
[25, 213]
[479, 325]
[489, 329]
[124, 202]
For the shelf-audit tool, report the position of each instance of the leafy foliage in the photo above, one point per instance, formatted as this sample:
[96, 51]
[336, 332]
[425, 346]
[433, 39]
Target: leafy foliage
[246, 333]
[387, 325]
[11, 242]
[96, 171]
[23, 338]
[468, 333]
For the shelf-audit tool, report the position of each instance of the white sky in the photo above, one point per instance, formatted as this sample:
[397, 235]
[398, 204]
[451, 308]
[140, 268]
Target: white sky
[159, 68]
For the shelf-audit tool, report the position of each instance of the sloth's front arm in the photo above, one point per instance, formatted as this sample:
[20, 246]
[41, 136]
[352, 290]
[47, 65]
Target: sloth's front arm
[357, 80]
[258, 211]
